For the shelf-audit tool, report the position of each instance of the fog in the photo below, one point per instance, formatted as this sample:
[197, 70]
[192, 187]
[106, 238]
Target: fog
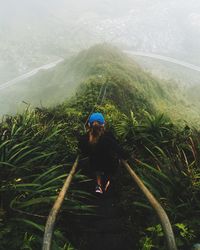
[34, 32]
[38, 32]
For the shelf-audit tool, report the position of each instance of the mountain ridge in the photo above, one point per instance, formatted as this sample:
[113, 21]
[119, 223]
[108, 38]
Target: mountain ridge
[102, 63]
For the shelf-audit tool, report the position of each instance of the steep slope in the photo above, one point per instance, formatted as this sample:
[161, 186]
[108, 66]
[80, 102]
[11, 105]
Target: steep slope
[145, 90]
[106, 65]
[186, 78]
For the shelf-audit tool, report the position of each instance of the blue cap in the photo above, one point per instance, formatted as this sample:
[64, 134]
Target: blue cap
[96, 117]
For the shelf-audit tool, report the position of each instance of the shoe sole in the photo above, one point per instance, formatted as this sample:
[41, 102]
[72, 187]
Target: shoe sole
[99, 191]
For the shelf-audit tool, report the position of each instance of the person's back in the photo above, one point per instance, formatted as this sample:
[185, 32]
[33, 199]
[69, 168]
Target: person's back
[104, 153]
[102, 149]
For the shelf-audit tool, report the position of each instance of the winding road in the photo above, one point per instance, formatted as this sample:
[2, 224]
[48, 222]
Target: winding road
[29, 74]
[164, 58]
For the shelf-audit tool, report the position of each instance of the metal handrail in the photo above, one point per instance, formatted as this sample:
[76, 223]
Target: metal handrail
[56, 208]
[166, 225]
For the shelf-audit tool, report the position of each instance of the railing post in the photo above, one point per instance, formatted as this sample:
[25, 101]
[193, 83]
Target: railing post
[166, 225]
[56, 208]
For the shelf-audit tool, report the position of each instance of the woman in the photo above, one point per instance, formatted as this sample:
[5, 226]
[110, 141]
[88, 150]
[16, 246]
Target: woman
[103, 151]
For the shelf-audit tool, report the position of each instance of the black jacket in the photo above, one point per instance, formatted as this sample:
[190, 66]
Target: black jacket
[103, 155]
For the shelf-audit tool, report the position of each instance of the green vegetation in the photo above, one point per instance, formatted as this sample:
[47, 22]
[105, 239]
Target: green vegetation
[37, 149]
[167, 159]
[103, 64]
[192, 94]
[186, 80]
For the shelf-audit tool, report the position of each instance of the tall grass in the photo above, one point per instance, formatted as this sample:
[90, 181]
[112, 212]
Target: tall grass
[167, 159]
[36, 153]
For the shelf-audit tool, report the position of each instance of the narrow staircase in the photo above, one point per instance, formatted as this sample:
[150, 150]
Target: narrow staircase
[107, 228]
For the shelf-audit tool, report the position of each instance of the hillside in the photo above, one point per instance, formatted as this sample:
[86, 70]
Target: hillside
[38, 147]
[193, 95]
[106, 65]
[47, 87]
[187, 79]
[146, 90]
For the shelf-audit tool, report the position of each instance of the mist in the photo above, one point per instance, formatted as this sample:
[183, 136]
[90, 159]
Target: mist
[34, 33]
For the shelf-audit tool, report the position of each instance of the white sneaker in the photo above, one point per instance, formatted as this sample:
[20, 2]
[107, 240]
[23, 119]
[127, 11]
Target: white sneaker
[98, 189]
